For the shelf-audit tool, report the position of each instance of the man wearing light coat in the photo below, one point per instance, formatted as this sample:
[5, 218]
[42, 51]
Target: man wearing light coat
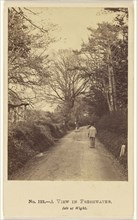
[92, 134]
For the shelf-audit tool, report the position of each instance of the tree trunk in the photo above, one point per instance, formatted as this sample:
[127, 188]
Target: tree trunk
[113, 81]
[108, 101]
[114, 91]
[112, 84]
[110, 89]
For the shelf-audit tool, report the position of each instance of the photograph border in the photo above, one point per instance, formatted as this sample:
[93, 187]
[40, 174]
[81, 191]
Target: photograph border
[12, 185]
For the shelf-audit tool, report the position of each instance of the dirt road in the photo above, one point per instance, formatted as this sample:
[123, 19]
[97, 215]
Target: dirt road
[72, 159]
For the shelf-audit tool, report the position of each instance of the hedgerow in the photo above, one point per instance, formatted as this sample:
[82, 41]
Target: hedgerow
[28, 138]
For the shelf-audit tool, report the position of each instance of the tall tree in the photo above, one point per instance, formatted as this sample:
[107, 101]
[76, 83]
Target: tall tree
[66, 81]
[102, 52]
[121, 55]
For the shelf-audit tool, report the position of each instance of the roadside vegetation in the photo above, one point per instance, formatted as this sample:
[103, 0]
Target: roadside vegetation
[112, 132]
[32, 136]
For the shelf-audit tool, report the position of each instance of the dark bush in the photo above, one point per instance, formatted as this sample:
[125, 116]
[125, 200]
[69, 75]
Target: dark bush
[27, 138]
[19, 152]
[56, 130]
[112, 132]
[37, 136]
[41, 137]
[115, 122]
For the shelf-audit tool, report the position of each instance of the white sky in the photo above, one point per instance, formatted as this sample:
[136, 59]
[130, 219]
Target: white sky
[72, 23]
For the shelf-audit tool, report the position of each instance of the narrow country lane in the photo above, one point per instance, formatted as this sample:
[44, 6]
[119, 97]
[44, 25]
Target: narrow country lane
[72, 159]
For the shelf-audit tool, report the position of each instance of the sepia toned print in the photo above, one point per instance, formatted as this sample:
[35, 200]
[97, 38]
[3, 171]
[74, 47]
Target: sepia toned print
[68, 110]
[68, 93]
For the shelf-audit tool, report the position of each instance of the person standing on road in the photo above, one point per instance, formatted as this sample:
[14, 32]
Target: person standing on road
[92, 134]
